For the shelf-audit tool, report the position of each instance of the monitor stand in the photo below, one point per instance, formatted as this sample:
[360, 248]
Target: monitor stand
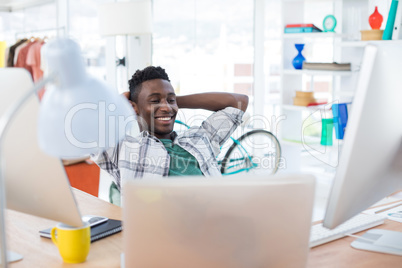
[379, 240]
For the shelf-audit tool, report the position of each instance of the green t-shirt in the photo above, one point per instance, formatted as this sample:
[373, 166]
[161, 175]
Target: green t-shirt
[182, 163]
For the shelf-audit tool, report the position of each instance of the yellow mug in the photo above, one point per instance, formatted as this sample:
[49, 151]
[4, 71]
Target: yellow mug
[73, 242]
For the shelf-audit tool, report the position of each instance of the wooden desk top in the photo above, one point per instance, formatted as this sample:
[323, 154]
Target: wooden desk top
[339, 253]
[40, 252]
[23, 237]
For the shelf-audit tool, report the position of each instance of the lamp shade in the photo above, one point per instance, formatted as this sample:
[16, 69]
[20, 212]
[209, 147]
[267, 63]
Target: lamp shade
[79, 115]
[125, 18]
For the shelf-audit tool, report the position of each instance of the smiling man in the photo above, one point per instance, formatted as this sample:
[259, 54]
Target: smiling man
[158, 151]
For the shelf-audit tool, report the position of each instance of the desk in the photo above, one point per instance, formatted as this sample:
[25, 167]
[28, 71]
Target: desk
[40, 252]
[23, 237]
[340, 254]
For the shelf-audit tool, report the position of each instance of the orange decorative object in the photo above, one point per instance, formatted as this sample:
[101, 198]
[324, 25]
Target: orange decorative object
[375, 20]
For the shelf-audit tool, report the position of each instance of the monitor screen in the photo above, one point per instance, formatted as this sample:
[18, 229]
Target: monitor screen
[367, 170]
[35, 183]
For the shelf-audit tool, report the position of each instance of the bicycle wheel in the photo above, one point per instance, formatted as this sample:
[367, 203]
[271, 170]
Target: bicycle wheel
[257, 151]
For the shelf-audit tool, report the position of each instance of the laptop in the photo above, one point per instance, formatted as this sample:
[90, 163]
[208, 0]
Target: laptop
[240, 221]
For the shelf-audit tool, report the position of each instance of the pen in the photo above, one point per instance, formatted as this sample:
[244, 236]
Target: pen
[384, 209]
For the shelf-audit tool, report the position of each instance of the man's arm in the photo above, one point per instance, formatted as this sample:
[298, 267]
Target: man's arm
[213, 101]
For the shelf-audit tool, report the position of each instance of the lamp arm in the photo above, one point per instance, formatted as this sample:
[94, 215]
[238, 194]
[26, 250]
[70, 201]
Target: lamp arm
[5, 121]
[10, 112]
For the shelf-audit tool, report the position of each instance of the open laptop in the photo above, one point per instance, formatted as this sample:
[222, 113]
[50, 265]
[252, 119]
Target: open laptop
[240, 221]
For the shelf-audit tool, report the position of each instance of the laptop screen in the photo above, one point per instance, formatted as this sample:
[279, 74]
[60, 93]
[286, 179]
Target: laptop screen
[237, 221]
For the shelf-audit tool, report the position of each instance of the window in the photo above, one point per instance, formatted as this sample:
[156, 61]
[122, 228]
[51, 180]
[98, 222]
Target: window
[205, 45]
[36, 21]
[84, 28]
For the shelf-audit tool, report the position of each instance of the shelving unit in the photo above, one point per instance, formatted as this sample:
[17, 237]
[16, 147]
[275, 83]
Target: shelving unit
[319, 47]
[343, 46]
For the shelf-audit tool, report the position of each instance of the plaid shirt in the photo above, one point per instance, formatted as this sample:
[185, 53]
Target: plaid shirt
[146, 156]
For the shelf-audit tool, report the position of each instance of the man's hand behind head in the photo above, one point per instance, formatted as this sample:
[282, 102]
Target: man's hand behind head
[127, 95]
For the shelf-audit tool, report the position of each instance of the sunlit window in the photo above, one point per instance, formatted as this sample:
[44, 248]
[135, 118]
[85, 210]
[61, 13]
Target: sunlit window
[205, 45]
[84, 28]
[39, 21]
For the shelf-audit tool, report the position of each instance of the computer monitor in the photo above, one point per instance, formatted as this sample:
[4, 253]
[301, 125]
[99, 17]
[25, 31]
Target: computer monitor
[35, 182]
[369, 169]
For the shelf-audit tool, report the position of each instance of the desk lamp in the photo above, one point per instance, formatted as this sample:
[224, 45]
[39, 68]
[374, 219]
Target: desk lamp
[78, 115]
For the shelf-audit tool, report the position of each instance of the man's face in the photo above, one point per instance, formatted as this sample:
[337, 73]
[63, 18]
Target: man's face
[157, 107]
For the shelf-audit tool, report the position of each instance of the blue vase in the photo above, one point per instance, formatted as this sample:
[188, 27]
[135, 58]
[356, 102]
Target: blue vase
[298, 60]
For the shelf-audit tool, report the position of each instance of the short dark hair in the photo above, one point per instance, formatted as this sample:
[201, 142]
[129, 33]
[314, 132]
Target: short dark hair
[140, 76]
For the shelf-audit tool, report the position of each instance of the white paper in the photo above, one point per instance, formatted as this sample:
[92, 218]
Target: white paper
[393, 213]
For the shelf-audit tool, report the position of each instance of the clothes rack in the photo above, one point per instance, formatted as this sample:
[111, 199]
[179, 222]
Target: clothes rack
[33, 32]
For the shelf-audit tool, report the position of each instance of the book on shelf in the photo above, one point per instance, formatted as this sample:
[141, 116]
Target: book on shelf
[302, 29]
[300, 25]
[397, 33]
[333, 66]
[389, 27]
[97, 232]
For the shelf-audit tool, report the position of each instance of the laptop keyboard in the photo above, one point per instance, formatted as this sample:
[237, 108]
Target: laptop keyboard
[320, 235]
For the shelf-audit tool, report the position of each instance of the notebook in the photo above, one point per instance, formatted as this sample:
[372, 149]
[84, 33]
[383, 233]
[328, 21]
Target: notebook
[97, 232]
[236, 221]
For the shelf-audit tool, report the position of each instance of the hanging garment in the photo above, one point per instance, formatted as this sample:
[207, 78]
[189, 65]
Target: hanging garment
[6, 56]
[43, 64]
[22, 58]
[10, 59]
[17, 51]
[34, 60]
[3, 46]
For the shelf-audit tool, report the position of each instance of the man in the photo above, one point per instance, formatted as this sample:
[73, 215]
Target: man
[158, 151]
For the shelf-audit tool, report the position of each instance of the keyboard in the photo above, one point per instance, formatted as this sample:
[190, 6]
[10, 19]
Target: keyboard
[320, 235]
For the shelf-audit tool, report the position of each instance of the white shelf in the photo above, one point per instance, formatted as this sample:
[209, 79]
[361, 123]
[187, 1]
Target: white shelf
[317, 72]
[345, 93]
[312, 141]
[313, 35]
[291, 107]
[353, 44]
[290, 143]
[364, 43]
